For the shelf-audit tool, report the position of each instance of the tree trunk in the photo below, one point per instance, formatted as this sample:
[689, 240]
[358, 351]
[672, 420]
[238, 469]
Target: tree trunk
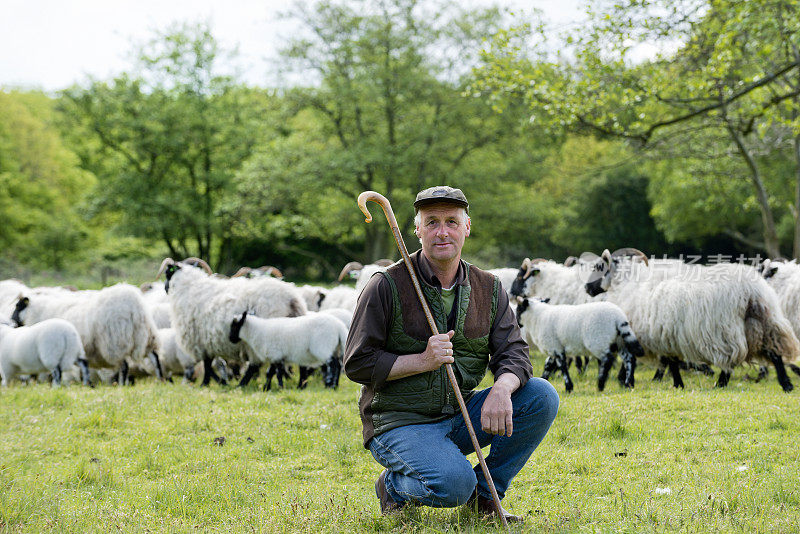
[772, 245]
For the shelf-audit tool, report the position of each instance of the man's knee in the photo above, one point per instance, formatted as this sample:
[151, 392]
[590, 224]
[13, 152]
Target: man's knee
[454, 484]
[537, 397]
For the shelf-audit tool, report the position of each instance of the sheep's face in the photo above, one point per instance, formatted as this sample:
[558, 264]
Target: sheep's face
[18, 317]
[236, 327]
[523, 281]
[768, 269]
[521, 307]
[169, 273]
[598, 273]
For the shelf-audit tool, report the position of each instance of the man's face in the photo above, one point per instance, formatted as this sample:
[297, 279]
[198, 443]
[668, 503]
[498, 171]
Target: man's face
[442, 230]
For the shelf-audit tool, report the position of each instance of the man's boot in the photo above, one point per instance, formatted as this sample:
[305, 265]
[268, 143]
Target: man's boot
[388, 506]
[485, 507]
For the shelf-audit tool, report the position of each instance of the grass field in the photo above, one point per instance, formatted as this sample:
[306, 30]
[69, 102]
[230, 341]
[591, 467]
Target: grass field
[142, 459]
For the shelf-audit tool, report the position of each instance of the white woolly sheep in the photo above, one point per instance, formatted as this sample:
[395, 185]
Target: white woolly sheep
[597, 328]
[51, 346]
[114, 324]
[309, 342]
[201, 305]
[722, 315]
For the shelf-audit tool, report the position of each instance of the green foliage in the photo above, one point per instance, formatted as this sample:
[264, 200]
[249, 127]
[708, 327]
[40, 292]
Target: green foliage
[41, 184]
[661, 74]
[389, 114]
[165, 141]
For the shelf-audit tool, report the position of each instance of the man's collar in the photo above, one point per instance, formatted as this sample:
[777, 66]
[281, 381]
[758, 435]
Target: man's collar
[426, 271]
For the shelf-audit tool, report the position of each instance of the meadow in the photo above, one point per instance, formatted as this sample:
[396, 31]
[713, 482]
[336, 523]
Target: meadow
[148, 458]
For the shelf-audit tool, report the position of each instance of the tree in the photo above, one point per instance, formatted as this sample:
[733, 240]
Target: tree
[42, 187]
[388, 114]
[720, 66]
[166, 140]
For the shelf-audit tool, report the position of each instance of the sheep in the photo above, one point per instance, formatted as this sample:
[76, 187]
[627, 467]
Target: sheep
[346, 297]
[343, 314]
[548, 279]
[784, 278]
[598, 328]
[264, 270]
[172, 357]
[313, 295]
[722, 315]
[50, 346]
[309, 342]
[113, 323]
[507, 275]
[201, 302]
[10, 290]
[340, 297]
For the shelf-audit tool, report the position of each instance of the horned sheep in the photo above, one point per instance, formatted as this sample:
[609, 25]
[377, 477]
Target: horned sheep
[723, 315]
[201, 305]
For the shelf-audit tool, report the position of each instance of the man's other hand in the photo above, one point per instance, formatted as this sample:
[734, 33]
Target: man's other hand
[497, 411]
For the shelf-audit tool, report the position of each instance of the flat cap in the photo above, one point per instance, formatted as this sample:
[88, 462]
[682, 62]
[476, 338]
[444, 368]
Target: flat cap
[441, 194]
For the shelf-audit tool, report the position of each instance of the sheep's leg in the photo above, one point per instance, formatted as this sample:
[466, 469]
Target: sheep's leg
[675, 371]
[582, 364]
[605, 366]
[780, 370]
[333, 368]
[188, 372]
[208, 371]
[794, 368]
[282, 373]
[704, 368]
[251, 371]
[84, 366]
[157, 364]
[629, 365]
[662, 367]
[550, 365]
[270, 373]
[122, 376]
[222, 369]
[722, 381]
[563, 366]
[56, 376]
[762, 373]
[622, 375]
[305, 372]
[325, 371]
[338, 373]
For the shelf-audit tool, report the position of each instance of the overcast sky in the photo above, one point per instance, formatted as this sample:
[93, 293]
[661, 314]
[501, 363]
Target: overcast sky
[51, 44]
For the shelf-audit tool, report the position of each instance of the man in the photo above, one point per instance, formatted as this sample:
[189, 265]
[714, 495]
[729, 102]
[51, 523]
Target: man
[411, 420]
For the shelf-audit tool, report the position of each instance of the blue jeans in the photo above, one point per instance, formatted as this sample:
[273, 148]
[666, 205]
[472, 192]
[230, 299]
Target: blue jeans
[427, 463]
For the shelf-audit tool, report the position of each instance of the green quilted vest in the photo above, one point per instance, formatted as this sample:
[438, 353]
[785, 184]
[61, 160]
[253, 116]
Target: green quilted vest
[428, 397]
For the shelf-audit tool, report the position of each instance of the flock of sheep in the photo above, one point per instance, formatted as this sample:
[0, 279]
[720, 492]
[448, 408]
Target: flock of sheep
[673, 313]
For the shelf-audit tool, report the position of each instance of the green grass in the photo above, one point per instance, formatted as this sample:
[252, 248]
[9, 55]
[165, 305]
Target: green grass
[143, 459]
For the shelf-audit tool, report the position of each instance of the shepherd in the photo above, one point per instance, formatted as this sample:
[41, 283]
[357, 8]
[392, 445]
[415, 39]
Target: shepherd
[409, 412]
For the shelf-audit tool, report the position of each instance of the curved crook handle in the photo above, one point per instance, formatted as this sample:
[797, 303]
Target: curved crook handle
[379, 199]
